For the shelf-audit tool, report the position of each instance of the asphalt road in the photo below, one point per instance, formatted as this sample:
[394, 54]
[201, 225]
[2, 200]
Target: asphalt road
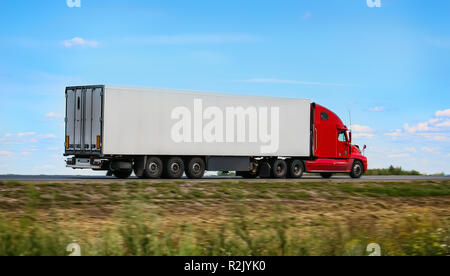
[308, 177]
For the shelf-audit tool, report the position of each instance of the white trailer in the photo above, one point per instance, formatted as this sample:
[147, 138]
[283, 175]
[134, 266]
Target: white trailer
[158, 131]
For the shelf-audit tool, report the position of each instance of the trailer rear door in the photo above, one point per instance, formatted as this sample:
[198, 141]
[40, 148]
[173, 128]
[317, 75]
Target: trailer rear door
[84, 120]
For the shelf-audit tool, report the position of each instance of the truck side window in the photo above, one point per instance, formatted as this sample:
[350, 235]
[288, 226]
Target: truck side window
[342, 136]
[324, 116]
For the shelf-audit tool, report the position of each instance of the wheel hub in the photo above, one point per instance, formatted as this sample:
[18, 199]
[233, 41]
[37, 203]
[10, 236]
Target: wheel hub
[153, 167]
[175, 167]
[357, 169]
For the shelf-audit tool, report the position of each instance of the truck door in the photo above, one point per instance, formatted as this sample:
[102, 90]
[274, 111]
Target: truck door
[342, 151]
[324, 134]
[83, 120]
[342, 147]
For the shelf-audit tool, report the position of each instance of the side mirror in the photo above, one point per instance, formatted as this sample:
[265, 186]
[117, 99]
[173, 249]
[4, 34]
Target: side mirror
[365, 147]
[350, 137]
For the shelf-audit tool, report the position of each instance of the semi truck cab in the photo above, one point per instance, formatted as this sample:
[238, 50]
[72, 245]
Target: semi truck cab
[333, 151]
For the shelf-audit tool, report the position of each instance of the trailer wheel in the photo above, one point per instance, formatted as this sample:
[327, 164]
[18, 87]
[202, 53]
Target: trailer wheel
[196, 168]
[175, 168]
[153, 168]
[326, 175]
[279, 169]
[357, 169]
[295, 168]
[122, 174]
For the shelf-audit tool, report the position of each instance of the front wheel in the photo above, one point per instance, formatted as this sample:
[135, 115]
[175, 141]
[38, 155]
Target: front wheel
[357, 169]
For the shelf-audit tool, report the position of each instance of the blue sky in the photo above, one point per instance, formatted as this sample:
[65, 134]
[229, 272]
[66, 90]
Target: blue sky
[390, 66]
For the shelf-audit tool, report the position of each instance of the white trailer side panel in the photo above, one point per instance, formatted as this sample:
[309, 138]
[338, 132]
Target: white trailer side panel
[141, 121]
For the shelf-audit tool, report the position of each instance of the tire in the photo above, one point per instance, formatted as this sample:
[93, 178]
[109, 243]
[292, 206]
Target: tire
[122, 174]
[326, 175]
[174, 168]
[357, 169]
[195, 168]
[279, 169]
[153, 168]
[296, 168]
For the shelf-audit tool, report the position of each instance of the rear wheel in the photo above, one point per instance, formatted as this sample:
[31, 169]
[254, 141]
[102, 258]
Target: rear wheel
[153, 168]
[279, 169]
[122, 174]
[175, 168]
[357, 169]
[326, 175]
[295, 168]
[196, 168]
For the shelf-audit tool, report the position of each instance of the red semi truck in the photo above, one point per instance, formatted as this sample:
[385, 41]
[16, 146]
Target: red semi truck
[160, 133]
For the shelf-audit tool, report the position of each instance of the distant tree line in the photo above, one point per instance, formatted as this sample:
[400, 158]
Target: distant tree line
[395, 171]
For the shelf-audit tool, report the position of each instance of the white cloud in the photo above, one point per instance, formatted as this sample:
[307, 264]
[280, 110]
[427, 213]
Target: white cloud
[78, 41]
[413, 150]
[54, 115]
[363, 135]
[47, 136]
[399, 155]
[25, 138]
[428, 149]
[7, 153]
[420, 127]
[445, 123]
[359, 128]
[435, 129]
[269, 80]
[443, 113]
[395, 134]
[25, 134]
[360, 131]
[377, 109]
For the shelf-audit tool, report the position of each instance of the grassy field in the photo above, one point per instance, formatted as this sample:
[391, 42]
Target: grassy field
[225, 218]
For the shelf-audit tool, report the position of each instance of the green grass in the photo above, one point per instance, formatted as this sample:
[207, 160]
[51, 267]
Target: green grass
[141, 233]
[222, 218]
[65, 195]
